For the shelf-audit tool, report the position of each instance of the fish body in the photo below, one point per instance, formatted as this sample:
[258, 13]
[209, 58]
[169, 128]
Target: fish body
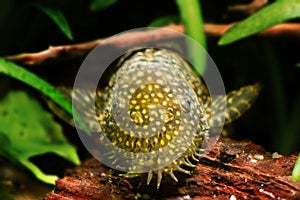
[155, 105]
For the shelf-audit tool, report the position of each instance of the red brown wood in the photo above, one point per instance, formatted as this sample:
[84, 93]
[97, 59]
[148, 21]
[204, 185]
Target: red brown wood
[233, 168]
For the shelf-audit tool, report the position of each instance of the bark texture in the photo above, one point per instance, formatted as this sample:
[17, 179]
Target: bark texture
[239, 169]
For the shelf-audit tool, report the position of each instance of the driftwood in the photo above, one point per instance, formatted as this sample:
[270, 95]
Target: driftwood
[232, 170]
[70, 52]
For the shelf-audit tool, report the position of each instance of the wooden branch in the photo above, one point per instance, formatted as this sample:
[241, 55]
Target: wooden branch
[284, 30]
[71, 52]
[237, 169]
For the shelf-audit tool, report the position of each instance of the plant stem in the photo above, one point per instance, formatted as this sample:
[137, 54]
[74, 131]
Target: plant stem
[191, 16]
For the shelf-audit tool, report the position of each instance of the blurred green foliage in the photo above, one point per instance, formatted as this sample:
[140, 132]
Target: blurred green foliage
[99, 5]
[21, 74]
[296, 171]
[27, 130]
[57, 16]
[191, 17]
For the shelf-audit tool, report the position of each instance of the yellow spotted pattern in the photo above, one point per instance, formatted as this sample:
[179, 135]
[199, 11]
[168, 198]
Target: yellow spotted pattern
[160, 103]
[154, 102]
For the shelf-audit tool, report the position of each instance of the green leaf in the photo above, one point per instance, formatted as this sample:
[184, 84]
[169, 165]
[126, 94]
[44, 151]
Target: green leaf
[296, 170]
[98, 5]
[21, 74]
[191, 17]
[57, 16]
[267, 17]
[27, 130]
[165, 20]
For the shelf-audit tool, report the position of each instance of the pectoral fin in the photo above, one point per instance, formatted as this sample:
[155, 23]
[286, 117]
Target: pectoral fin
[237, 102]
[84, 105]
